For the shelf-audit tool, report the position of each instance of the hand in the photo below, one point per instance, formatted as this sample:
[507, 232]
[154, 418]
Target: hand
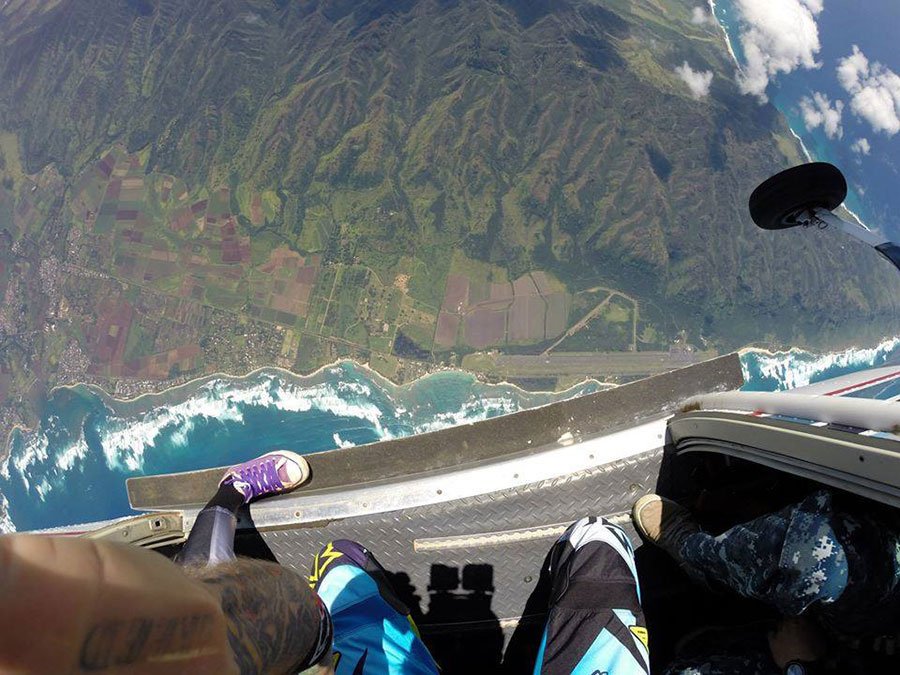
[796, 639]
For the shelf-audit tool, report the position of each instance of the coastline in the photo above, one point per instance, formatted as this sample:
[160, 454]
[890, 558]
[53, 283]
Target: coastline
[384, 382]
[793, 351]
[806, 152]
[184, 390]
[712, 11]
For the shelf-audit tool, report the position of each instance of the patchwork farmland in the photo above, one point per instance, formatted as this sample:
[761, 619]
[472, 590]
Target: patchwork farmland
[164, 281]
[481, 308]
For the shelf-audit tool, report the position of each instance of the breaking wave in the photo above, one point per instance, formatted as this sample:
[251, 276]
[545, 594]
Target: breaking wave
[126, 440]
[91, 443]
[6, 524]
[341, 443]
[778, 371]
[473, 410]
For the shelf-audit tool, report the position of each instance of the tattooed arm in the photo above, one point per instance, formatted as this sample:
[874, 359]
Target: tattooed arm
[72, 605]
[273, 616]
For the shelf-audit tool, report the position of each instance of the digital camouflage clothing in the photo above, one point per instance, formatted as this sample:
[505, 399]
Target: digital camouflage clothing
[844, 567]
[809, 554]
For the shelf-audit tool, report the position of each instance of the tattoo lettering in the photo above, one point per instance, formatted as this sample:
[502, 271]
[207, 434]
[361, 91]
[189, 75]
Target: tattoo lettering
[125, 642]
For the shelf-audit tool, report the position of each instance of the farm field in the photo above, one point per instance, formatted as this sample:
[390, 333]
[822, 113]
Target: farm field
[527, 190]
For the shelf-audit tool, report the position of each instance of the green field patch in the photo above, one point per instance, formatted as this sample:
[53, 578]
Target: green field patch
[789, 147]
[314, 233]
[479, 362]
[243, 195]
[347, 296]
[285, 318]
[421, 334]
[650, 337]
[599, 335]
[104, 224]
[319, 302]
[139, 342]
[618, 310]
[477, 271]
[381, 343]
[219, 205]
[557, 314]
[392, 312]
[427, 288]
[261, 246]
[226, 298]
[312, 353]
[171, 285]
[380, 306]
[384, 364]
[357, 334]
[9, 148]
[271, 205]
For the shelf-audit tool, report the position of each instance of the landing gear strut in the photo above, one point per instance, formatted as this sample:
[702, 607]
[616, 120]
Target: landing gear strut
[805, 196]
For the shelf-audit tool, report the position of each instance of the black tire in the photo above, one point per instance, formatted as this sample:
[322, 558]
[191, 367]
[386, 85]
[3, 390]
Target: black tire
[806, 186]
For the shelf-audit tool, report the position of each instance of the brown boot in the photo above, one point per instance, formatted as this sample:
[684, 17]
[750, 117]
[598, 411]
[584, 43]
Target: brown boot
[663, 522]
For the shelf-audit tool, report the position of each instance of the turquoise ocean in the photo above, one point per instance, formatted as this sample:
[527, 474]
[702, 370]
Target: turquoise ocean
[72, 468]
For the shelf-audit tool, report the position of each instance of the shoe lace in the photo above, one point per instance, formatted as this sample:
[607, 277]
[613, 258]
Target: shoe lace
[263, 476]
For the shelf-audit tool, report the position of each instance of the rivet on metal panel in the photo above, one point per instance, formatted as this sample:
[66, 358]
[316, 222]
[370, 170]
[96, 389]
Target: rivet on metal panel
[528, 580]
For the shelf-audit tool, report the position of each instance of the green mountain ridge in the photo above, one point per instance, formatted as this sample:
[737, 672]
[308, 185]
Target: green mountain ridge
[391, 146]
[527, 132]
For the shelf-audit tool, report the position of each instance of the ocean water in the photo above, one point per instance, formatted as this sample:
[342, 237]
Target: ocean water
[72, 469]
[778, 371]
[872, 25]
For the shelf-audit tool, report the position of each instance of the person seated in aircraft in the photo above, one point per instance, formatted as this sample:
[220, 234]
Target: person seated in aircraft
[836, 567]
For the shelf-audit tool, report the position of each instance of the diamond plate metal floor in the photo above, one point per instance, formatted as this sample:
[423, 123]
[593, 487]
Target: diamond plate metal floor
[503, 575]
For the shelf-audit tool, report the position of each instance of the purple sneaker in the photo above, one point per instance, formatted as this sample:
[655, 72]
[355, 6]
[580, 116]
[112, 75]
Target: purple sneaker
[268, 474]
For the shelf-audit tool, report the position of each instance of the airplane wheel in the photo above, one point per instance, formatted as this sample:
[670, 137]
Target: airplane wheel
[775, 204]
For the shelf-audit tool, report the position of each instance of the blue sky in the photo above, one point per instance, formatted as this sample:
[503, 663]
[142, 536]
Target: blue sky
[832, 66]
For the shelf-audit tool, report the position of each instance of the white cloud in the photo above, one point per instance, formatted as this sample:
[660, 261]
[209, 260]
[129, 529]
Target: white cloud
[861, 146]
[818, 111]
[850, 68]
[777, 36]
[874, 91]
[698, 81]
[700, 16]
